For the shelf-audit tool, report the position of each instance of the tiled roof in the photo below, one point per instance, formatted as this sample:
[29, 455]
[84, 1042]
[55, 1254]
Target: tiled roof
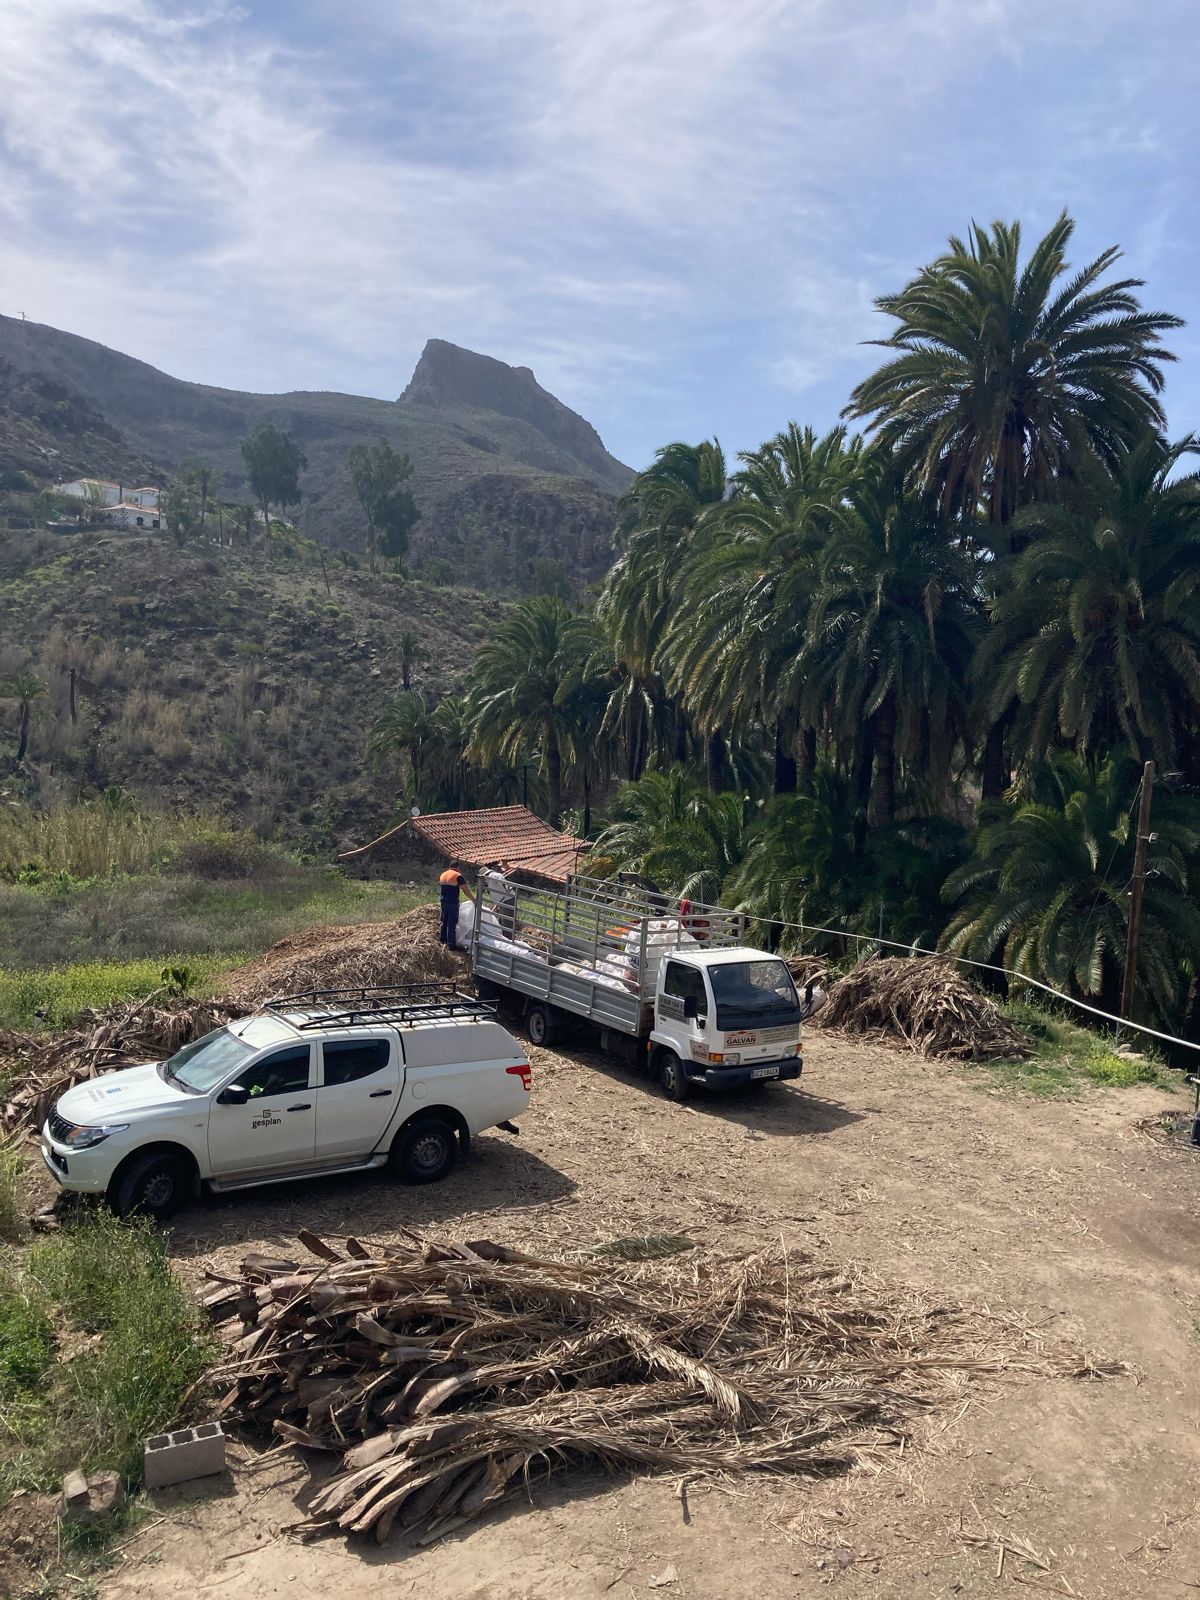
[485, 838]
[503, 833]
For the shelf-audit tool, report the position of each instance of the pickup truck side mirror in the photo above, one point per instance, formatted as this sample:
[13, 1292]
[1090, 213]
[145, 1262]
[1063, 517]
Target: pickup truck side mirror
[691, 1010]
[234, 1094]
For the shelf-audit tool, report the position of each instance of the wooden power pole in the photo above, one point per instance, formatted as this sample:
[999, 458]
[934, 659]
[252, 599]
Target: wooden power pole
[1136, 890]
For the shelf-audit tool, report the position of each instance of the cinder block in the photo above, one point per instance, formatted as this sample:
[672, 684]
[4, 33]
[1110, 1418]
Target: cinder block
[186, 1453]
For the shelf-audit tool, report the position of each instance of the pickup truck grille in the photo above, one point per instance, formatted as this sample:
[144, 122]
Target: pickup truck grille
[59, 1127]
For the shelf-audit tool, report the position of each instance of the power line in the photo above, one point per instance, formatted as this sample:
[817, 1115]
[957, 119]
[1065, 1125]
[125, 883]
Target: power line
[984, 966]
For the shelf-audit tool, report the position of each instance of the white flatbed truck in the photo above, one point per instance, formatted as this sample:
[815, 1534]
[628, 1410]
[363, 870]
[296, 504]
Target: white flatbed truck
[669, 985]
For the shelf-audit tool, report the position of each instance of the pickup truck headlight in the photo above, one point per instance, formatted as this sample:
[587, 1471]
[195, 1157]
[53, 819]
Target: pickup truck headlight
[79, 1136]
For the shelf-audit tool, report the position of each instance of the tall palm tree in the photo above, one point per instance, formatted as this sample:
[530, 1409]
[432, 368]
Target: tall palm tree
[411, 650]
[26, 688]
[404, 728]
[660, 514]
[1005, 370]
[1096, 634]
[751, 576]
[1047, 889]
[891, 634]
[515, 687]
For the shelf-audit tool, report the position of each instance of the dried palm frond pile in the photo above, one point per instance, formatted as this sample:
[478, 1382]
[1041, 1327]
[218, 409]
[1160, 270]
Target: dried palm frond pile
[403, 951]
[40, 1067]
[806, 969]
[446, 1376]
[924, 1002]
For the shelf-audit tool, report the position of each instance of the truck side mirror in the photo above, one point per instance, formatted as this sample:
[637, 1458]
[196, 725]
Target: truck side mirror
[691, 1008]
[234, 1094]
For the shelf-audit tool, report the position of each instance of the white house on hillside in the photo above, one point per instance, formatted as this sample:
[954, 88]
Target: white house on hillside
[130, 515]
[110, 493]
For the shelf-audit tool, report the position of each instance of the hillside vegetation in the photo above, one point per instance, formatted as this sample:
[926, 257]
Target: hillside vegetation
[206, 678]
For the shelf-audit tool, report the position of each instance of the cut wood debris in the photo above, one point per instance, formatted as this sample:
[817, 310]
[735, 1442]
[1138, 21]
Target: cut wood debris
[42, 1066]
[447, 1376]
[369, 953]
[922, 1002]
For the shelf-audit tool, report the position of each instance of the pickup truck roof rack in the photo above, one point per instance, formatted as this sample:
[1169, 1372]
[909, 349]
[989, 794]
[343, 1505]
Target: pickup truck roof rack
[401, 1003]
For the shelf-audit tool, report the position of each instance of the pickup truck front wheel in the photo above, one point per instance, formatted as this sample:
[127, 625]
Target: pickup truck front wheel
[424, 1151]
[671, 1077]
[154, 1185]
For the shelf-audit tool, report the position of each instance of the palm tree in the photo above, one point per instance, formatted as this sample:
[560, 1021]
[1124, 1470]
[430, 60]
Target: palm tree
[661, 512]
[891, 634]
[26, 688]
[411, 651]
[1096, 635]
[404, 728]
[515, 687]
[751, 576]
[1046, 892]
[1005, 372]
[680, 834]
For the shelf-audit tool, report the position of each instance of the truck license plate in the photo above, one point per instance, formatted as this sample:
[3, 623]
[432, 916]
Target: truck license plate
[765, 1072]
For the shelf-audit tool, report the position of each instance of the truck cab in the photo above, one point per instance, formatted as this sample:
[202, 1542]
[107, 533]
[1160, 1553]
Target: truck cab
[723, 1018]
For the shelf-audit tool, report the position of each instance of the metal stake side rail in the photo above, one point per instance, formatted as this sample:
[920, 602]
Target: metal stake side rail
[571, 948]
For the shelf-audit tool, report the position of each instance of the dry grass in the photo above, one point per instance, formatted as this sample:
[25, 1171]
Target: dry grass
[447, 1375]
[86, 840]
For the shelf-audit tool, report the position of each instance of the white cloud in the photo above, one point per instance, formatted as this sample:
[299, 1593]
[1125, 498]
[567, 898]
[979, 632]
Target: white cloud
[598, 191]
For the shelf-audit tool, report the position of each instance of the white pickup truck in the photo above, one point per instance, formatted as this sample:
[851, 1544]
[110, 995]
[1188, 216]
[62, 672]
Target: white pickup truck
[671, 986]
[334, 1080]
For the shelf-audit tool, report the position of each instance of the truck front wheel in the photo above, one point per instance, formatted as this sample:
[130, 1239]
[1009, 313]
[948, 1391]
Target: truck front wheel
[156, 1185]
[671, 1078]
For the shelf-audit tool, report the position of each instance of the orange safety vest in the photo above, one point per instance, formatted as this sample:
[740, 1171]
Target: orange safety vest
[452, 879]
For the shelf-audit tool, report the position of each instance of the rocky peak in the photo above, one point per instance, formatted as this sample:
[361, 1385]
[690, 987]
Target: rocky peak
[450, 378]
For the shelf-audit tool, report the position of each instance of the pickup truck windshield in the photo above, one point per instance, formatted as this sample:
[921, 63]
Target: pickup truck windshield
[754, 994]
[204, 1063]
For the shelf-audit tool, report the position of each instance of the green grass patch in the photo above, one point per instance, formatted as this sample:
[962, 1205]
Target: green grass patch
[99, 1345]
[1067, 1058]
[54, 996]
[143, 916]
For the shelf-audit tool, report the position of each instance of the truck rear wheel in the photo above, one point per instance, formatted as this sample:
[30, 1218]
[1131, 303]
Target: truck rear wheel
[541, 1025]
[671, 1078]
[424, 1151]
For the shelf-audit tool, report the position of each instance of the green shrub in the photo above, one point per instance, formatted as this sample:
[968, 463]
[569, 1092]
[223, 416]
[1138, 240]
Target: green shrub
[144, 1345]
[219, 853]
[26, 1342]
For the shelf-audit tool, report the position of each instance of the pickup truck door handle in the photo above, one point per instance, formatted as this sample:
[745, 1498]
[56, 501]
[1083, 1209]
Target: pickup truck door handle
[379, 1094]
[307, 1106]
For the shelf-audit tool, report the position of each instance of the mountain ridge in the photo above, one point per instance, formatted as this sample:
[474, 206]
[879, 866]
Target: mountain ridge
[446, 421]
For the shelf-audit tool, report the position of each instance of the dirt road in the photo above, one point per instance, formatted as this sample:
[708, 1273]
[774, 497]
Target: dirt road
[1060, 1210]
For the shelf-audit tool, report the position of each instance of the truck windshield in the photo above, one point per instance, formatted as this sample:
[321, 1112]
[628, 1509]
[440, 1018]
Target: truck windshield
[201, 1065]
[753, 994]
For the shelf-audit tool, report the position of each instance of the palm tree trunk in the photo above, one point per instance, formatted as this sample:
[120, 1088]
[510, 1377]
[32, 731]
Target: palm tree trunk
[587, 802]
[681, 734]
[785, 758]
[808, 759]
[553, 775]
[715, 760]
[996, 775]
[882, 810]
[23, 735]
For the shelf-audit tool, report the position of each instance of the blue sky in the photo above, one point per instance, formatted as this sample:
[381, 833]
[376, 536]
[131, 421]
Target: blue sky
[677, 212]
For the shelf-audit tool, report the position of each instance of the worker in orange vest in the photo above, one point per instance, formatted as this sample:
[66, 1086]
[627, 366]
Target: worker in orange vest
[452, 881]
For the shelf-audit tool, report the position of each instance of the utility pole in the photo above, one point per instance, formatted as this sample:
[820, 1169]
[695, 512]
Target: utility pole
[1136, 890]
